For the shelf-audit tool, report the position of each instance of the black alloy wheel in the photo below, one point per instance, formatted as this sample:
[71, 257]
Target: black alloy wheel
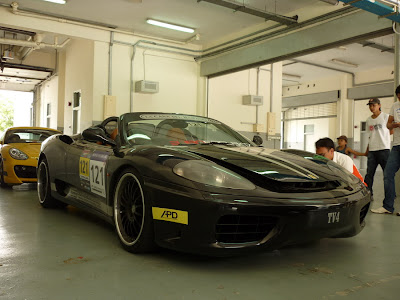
[132, 214]
[43, 187]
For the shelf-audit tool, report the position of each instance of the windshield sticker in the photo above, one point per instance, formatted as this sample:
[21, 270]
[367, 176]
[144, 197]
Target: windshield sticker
[177, 117]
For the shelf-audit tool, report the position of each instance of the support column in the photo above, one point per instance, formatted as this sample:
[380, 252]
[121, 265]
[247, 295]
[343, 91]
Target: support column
[202, 96]
[276, 102]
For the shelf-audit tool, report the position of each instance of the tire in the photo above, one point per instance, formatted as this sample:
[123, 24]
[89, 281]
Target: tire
[132, 214]
[3, 184]
[43, 187]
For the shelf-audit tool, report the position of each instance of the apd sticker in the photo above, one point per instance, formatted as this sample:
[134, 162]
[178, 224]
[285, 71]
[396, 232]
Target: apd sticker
[170, 215]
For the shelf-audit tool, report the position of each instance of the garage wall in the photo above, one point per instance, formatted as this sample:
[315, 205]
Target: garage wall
[49, 96]
[225, 98]
[176, 75]
[41, 59]
[79, 66]
[294, 132]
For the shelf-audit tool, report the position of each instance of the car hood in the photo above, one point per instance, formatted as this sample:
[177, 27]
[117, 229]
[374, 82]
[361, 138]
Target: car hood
[270, 163]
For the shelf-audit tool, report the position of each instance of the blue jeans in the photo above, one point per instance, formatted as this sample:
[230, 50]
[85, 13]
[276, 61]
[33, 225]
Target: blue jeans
[392, 166]
[375, 158]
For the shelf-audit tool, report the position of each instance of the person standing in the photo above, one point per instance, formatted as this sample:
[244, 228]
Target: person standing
[378, 149]
[393, 162]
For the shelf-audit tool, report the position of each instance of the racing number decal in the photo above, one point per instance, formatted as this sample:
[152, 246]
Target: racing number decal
[92, 171]
[97, 171]
[170, 215]
[84, 168]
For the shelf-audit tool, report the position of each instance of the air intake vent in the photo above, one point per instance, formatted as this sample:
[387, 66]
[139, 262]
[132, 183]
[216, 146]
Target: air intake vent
[243, 229]
[147, 87]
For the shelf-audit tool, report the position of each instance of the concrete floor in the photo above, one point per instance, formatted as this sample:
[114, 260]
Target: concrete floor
[68, 254]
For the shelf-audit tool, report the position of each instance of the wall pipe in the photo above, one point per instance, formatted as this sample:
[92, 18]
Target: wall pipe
[110, 51]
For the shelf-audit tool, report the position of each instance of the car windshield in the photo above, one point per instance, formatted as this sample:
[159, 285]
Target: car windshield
[177, 130]
[28, 135]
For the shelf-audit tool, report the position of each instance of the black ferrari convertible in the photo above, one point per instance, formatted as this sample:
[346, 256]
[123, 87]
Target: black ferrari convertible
[193, 184]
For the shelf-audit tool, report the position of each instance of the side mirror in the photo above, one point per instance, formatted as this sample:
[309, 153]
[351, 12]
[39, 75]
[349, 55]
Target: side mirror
[97, 134]
[257, 140]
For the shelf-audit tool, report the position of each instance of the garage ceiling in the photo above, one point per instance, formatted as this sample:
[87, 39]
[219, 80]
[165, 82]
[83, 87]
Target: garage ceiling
[213, 23]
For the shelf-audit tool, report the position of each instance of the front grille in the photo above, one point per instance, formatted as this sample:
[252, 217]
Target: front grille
[363, 213]
[25, 171]
[243, 228]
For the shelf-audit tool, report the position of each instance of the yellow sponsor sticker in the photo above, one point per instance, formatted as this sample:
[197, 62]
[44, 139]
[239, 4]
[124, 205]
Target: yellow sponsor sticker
[84, 167]
[171, 215]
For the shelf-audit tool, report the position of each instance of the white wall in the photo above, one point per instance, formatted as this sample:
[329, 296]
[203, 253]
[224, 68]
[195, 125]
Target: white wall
[79, 66]
[48, 95]
[225, 99]
[176, 74]
[294, 132]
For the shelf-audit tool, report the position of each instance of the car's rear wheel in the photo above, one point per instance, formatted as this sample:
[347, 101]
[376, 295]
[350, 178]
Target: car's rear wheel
[3, 184]
[43, 187]
[132, 214]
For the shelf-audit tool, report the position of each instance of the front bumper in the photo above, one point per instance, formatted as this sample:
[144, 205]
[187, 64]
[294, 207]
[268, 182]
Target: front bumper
[19, 171]
[221, 225]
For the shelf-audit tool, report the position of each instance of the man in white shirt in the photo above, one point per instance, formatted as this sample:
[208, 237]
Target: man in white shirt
[326, 148]
[393, 163]
[379, 140]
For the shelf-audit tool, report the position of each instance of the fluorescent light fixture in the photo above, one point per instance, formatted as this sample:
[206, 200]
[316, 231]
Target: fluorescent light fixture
[170, 26]
[56, 1]
[291, 75]
[344, 63]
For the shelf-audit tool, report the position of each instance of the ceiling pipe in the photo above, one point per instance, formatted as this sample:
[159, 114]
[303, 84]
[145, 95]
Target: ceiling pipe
[34, 45]
[333, 2]
[16, 11]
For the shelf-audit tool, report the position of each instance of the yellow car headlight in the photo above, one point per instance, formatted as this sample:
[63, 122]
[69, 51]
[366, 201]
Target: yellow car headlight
[17, 154]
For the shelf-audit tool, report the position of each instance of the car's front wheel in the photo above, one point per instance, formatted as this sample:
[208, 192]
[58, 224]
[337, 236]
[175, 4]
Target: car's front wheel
[132, 214]
[43, 187]
[3, 184]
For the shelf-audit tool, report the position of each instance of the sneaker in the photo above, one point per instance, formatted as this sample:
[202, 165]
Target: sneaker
[381, 210]
[398, 214]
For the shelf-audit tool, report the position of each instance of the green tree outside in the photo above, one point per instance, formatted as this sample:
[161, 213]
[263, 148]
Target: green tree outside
[6, 114]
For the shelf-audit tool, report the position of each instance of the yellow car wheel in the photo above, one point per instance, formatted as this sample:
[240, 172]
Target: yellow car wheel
[2, 182]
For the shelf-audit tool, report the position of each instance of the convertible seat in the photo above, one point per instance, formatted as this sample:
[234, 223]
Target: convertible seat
[114, 134]
[176, 134]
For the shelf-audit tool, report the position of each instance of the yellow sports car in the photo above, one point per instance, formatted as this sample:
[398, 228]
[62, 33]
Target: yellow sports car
[19, 151]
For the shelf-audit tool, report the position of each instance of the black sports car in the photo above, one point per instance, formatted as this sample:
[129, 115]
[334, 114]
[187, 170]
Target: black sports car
[193, 184]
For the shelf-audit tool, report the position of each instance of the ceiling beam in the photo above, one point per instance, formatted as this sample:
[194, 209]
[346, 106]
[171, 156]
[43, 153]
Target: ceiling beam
[253, 11]
[350, 28]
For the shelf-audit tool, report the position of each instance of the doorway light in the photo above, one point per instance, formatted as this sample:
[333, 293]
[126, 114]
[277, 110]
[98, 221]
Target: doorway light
[57, 1]
[170, 26]
[344, 63]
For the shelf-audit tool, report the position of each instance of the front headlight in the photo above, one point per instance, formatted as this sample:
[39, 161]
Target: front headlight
[17, 154]
[212, 174]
